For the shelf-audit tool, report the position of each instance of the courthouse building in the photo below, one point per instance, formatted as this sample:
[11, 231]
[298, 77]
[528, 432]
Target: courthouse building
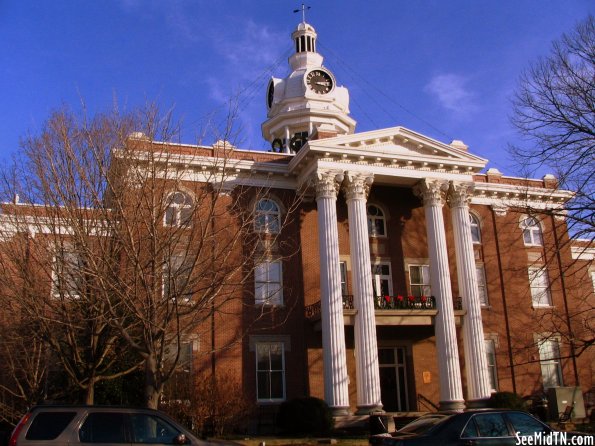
[424, 279]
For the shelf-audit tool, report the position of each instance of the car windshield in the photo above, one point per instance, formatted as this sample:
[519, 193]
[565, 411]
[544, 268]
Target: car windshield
[423, 424]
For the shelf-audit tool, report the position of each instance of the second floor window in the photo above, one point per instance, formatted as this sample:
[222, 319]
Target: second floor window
[481, 285]
[382, 280]
[376, 222]
[343, 266]
[419, 280]
[176, 279]
[178, 212]
[540, 287]
[531, 232]
[268, 289]
[267, 216]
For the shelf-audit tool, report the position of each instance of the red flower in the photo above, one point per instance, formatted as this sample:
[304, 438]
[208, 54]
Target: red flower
[400, 298]
[387, 298]
[411, 298]
[424, 298]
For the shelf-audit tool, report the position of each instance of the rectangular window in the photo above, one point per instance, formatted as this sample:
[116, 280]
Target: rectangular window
[419, 280]
[490, 346]
[481, 285]
[549, 358]
[344, 289]
[176, 279]
[382, 282]
[67, 273]
[270, 371]
[268, 288]
[540, 287]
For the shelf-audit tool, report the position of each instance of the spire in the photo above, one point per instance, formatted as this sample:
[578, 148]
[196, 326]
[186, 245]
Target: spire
[303, 9]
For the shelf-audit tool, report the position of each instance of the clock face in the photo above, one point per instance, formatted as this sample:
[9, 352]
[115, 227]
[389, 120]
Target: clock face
[270, 93]
[319, 81]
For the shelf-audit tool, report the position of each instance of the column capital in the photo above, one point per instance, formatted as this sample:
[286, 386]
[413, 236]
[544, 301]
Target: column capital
[432, 192]
[460, 193]
[327, 183]
[357, 186]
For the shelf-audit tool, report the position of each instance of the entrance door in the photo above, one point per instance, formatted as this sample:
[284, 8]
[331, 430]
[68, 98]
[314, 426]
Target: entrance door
[393, 379]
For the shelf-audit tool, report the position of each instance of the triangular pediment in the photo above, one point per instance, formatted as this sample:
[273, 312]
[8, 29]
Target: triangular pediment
[396, 143]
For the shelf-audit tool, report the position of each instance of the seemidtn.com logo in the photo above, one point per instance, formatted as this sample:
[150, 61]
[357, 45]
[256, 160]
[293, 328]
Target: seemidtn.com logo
[553, 438]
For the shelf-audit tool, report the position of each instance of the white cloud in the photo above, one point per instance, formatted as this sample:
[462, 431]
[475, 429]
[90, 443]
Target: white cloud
[452, 92]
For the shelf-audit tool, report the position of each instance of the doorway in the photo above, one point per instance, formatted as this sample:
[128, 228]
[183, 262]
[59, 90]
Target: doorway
[393, 379]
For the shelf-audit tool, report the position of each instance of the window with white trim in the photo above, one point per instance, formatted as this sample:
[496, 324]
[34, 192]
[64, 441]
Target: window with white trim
[419, 280]
[176, 278]
[268, 216]
[268, 287]
[178, 212]
[475, 229]
[376, 221]
[270, 371]
[67, 272]
[343, 267]
[382, 282]
[490, 346]
[540, 287]
[481, 285]
[549, 359]
[531, 232]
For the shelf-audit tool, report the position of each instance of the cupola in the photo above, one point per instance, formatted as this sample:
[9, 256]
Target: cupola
[307, 103]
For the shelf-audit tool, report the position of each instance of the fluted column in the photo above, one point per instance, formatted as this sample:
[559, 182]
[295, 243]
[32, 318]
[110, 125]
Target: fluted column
[478, 382]
[336, 392]
[451, 390]
[366, 350]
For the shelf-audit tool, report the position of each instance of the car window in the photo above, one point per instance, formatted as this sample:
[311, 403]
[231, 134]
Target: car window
[423, 424]
[147, 428]
[104, 427]
[525, 424]
[491, 425]
[470, 430]
[48, 425]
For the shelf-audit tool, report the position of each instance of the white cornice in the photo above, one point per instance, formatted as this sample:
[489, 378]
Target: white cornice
[520, 196]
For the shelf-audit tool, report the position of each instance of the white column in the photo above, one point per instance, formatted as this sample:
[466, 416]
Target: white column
[366, 350]
[336, 392]
[451, 390]
[478, 382]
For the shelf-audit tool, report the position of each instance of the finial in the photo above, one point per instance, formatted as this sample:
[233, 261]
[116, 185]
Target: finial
[303, 9]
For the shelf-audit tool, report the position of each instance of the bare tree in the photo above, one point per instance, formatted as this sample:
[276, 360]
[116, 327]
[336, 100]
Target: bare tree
[149, 238]
[554, 108]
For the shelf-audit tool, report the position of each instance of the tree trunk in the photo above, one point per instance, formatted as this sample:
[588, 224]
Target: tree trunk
[90, 392]
[153, 387]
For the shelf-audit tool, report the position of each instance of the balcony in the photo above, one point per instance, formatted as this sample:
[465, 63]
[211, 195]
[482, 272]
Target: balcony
[392, 310]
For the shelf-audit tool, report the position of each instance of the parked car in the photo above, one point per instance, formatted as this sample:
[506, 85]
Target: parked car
[478, 427]
[73, 425]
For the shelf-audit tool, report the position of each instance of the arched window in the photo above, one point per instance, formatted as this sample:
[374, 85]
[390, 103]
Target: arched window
[475, 229]
[376, 222]
[531, 232]
[179, 209]
[268, 216]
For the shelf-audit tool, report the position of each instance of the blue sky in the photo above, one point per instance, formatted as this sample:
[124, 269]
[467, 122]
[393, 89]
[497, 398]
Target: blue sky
[443, 68]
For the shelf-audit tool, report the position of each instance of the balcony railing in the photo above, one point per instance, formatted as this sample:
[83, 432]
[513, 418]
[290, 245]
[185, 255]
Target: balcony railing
[387, 303]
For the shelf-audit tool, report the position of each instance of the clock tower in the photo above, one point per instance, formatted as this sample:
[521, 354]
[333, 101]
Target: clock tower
[308, 103]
